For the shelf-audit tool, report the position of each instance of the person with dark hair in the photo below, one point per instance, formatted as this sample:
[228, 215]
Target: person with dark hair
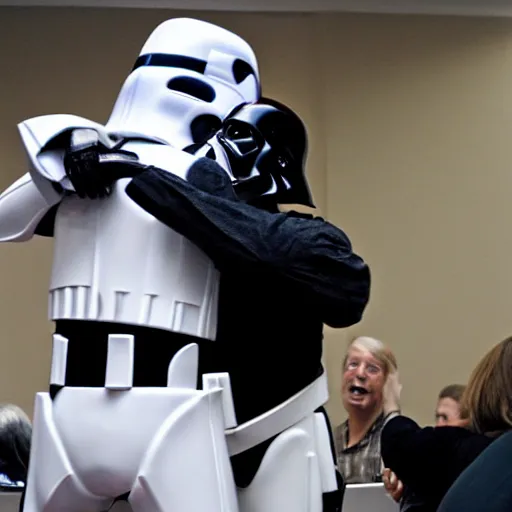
[448, 409]
[15, 437]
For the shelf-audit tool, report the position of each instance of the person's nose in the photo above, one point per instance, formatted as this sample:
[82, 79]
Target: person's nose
[361, 373]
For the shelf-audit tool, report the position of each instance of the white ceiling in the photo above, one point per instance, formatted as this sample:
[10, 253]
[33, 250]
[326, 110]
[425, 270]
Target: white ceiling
[447, 7]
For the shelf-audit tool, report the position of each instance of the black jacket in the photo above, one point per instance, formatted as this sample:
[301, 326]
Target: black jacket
[428, 460]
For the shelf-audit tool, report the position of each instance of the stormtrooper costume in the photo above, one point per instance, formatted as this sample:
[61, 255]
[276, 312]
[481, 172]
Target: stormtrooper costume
[282, 275]
[131, 299]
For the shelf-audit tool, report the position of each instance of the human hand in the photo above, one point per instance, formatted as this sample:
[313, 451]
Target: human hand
[391, 393]
[394, 487]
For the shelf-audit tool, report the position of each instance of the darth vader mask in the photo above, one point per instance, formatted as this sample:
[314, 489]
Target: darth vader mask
[265, 148]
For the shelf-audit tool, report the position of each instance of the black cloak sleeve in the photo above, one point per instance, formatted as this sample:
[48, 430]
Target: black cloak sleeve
[311, 254]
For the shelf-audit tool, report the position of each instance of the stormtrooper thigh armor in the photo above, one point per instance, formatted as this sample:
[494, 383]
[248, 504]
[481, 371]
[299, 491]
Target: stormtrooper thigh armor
[163, 447]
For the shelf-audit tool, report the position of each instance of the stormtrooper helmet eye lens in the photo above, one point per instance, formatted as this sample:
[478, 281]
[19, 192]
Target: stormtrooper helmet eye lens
[192, 87]
[241, 70]
[203, 127]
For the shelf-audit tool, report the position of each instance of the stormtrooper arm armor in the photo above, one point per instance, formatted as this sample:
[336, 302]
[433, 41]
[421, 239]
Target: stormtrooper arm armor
[22, 208]
[313, 255]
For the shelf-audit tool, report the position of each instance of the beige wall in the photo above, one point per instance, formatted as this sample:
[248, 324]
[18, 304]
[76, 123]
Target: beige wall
[419, 172]
[409, 121]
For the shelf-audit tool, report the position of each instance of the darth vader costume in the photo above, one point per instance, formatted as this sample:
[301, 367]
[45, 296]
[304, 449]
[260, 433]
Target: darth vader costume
[283, 275]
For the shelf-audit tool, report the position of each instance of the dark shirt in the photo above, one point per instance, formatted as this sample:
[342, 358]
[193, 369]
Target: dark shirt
[428, 460]
[282, 276]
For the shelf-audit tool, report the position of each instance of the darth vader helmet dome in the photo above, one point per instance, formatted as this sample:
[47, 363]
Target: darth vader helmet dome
[265, 144]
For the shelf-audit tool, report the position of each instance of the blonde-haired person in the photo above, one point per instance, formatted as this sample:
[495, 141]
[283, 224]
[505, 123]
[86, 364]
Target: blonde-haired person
[429, 460]
[15, 438]
[366, 366]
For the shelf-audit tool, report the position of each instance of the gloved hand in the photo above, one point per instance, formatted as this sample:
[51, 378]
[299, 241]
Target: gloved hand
[92, 167]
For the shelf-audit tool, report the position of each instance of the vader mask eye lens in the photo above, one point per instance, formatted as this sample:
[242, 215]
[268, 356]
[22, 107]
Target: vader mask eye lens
[242, 137]
[238, 131]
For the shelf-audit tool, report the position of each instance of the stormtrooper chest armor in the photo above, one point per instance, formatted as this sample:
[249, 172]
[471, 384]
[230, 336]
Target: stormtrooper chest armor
[114, 262]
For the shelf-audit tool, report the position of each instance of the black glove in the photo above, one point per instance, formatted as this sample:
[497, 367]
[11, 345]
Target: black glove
[92, 167]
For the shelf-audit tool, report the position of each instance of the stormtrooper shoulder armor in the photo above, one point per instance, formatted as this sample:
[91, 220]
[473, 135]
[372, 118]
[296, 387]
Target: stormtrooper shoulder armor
[40, 136]
[27, 200]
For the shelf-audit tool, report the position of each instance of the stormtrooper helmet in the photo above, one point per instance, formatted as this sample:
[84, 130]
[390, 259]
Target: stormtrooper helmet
[263, 147]
[189, 76]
